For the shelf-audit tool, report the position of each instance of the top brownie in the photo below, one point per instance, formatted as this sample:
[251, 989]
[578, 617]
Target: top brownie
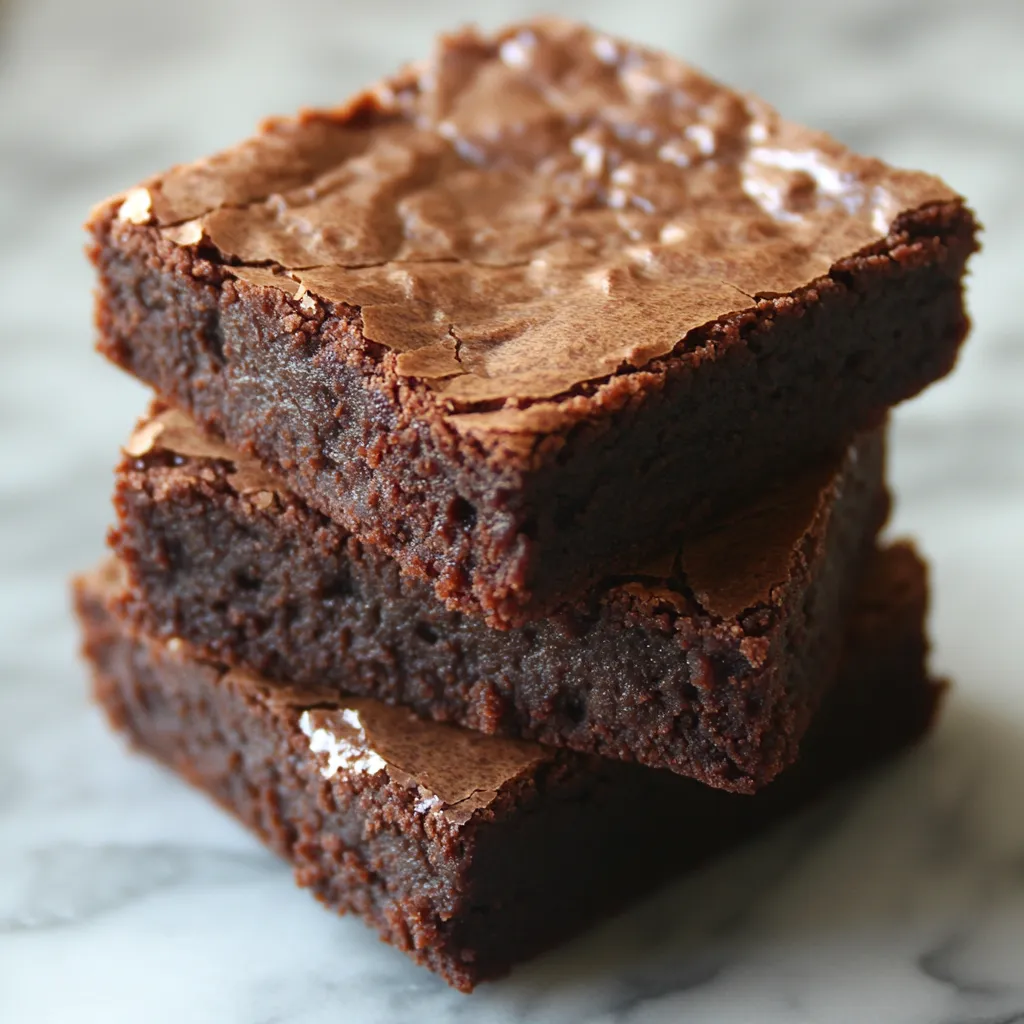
[519, 310]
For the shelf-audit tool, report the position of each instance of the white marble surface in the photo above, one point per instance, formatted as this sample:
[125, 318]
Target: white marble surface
[125, 897]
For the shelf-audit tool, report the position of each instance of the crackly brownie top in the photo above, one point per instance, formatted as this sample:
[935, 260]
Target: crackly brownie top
[728, 569]
[532, 210]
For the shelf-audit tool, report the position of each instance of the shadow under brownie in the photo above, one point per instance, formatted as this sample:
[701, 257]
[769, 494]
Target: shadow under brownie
[473, 853]
[709, 661]
[521, 309]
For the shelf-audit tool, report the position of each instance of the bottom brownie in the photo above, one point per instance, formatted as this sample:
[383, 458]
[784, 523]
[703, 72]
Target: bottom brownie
[470, 852]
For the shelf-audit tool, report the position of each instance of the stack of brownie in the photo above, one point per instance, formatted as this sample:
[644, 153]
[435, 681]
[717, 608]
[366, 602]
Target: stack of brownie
[508, 511]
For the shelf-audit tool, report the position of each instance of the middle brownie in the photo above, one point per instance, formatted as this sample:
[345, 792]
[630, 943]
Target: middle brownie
[709, 662]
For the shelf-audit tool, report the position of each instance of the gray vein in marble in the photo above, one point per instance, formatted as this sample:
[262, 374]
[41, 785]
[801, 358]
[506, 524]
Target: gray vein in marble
[1014, 1017]
[940, 965]
[70, 883]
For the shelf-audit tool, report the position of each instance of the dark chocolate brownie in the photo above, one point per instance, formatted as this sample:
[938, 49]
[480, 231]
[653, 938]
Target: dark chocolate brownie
[472, 853]
[521, 309]
[709, 661]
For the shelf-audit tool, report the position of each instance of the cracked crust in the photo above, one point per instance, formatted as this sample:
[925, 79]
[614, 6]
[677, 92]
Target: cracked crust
[533, 210]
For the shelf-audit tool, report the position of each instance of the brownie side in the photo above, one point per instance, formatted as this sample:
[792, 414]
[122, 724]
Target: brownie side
[511, 525]
[223, 738]
[470, 893]
[641, 669]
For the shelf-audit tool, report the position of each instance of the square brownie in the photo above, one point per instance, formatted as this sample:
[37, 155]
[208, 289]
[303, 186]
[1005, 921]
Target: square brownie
[709, 660]
[519, 310]
[473, 853]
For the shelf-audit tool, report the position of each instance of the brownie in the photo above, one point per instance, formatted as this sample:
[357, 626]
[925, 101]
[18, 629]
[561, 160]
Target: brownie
[472, 853]
[709, 660]
[519, 310]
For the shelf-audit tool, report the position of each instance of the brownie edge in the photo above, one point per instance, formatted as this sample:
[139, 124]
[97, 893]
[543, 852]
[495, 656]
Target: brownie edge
[709, 660]
[475, 853]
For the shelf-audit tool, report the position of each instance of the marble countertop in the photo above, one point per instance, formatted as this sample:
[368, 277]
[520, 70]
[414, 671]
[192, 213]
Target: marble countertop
[124, 896]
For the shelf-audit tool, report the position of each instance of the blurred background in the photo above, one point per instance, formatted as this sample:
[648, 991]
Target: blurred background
[96, 94]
